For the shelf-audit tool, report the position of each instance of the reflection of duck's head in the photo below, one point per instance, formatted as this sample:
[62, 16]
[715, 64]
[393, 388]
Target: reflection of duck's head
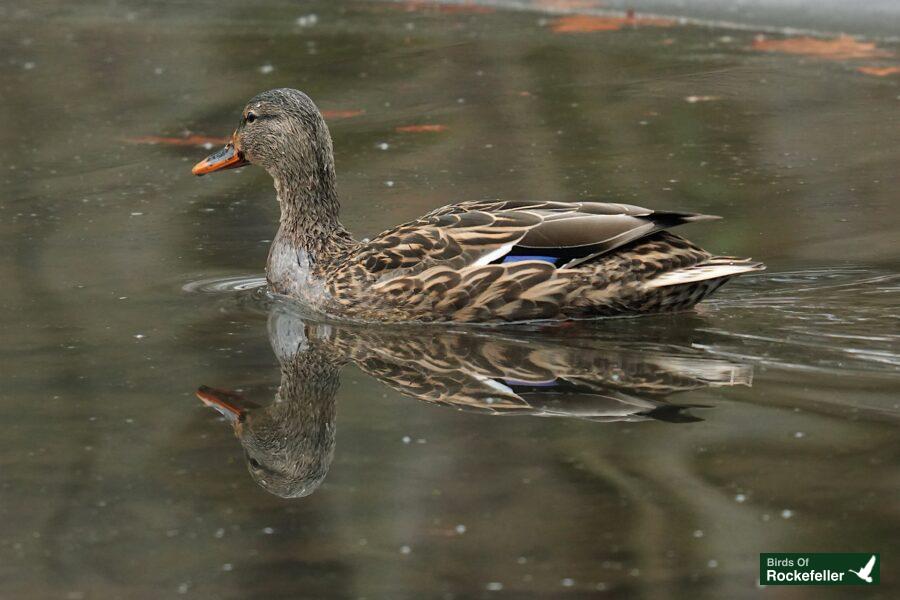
[288, 444]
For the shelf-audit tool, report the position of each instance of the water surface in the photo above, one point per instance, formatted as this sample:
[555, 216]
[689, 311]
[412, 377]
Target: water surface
[652, 457]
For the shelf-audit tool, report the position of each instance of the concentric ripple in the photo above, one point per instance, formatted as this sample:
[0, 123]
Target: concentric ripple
[224, 285]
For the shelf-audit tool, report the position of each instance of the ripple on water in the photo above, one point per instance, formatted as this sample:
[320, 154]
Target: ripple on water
[844, 318]
[221, 285]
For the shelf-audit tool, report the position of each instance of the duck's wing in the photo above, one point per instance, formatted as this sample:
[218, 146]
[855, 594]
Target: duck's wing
[483, 232]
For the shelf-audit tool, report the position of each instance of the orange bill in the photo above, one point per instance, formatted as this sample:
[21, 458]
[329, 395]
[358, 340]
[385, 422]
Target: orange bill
[223, 401]
[228, 157]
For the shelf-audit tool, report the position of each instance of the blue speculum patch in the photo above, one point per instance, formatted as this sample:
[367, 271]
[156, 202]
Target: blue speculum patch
[514, 383]
[521, 257]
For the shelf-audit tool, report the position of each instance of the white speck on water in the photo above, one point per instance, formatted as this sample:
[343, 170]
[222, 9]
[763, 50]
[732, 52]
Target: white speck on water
[460, 100]
[136, 214]
[405, 549]
[787, 513]
[521, 560]
[220, 532]
[740, 498]
[389, 183]
[139, 336]
[494, 586]
[696, 99]
[158, 71]
[183, 588]
[207, 146]
[567, 582]
[460, 529]
[600, 587]
[766, 517]
[698, 533]
[712, 564]
[307, 20]
[382, 145]
[406, 439]
[228, 567]
[268, 530]
[421, 441]
[29, 66]
[266, 69]
[799, 434]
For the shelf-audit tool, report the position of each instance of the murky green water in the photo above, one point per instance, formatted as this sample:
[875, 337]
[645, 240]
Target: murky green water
[674, 449]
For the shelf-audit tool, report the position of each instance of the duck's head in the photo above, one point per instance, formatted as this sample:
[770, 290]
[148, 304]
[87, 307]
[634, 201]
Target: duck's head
[287, 454]
[282, 131]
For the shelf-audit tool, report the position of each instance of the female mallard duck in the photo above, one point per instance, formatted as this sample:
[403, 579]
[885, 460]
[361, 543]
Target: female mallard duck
[482, 261]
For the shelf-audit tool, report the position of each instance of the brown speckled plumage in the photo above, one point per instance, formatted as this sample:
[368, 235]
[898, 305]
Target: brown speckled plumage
[453, 264]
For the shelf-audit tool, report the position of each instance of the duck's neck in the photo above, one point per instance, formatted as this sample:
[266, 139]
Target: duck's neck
[309, 216]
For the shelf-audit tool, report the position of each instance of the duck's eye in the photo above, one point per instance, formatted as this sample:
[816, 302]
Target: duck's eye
[251, 117]
[254, 463]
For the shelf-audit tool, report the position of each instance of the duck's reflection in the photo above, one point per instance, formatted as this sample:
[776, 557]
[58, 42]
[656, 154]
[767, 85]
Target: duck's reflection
[289, 443]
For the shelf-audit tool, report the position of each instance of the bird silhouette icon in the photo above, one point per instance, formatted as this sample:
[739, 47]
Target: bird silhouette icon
[866, 572]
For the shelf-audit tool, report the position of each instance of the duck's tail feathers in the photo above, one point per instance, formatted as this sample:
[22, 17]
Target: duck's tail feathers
[716, 267]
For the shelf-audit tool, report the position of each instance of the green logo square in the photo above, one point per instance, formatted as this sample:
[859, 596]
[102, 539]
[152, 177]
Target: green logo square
[819, 568]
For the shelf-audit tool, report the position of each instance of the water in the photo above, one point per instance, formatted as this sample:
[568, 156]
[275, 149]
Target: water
[671, 449]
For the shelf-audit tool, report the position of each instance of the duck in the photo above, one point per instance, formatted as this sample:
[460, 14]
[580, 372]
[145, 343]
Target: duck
[289, 442]
[480, 261]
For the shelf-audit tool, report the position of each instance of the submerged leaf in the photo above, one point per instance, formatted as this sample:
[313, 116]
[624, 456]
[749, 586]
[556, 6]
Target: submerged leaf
[840, 48]
[188, 140]
[587, 24]
[879, 71]
[342, 114]
[430, 128]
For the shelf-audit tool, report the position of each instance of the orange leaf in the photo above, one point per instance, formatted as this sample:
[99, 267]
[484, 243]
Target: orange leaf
[421, 128]
[839, 48]
[342, 114]
[586, 24]
[879, 71]
[188, 140]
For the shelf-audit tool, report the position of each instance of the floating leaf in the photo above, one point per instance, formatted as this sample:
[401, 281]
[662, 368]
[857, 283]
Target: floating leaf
[342, 114]
[187, 140]
[840, 48]
[431, 128]
[879, 71]
[587, 24]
